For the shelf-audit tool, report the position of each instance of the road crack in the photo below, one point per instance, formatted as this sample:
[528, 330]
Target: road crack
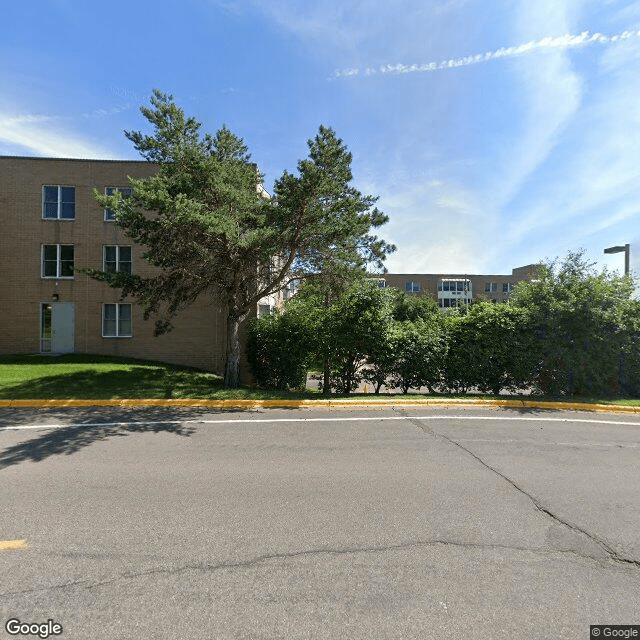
[610, 551]
[251, 562]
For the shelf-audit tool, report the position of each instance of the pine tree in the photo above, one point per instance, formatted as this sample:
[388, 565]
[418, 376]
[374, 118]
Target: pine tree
[206, 225]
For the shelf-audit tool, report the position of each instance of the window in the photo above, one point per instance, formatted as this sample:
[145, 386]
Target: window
[290, 289]
[116, 321]
[116, 258]
[459, 286]
[445, 303]
[507, 287]
[58, 203]
[126, 192]
[412, 287]
[490, 287]
[57, 261]
[382, 283]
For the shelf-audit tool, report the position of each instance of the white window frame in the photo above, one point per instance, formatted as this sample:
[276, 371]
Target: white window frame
[109, 191]
[445, 286]
[117, 305]
[58, 275]
[490, 287]
[117, 248]
[59, 187]
[416, 287]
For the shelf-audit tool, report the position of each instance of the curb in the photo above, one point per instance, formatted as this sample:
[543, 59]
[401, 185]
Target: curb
[329, 404]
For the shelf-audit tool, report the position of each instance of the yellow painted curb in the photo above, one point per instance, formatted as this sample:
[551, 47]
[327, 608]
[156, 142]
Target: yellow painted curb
[12, 544]
[328, 403]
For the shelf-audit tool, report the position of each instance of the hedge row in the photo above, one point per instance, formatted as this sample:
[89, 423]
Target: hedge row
[572, 332]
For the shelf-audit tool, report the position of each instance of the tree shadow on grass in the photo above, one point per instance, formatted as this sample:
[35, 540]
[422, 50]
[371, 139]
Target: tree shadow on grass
[136, 382]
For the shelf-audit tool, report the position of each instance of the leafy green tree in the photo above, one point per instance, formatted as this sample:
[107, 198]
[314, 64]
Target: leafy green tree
[576, 317]
[629, 362]
[420, 351]
[491, 347]
[278, 350]
[206, 228]
[456, 374]
[321, 203]
[345, 333]
[326, 219]
[381, 359]
[411, 307]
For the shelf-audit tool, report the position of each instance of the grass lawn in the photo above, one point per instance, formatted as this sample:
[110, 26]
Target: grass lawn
[92, 377]
[95, 377]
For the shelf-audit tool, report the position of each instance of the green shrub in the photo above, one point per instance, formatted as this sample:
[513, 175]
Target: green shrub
[278, 351]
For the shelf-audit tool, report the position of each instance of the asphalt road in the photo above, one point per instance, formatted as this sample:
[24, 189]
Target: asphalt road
[412, 523]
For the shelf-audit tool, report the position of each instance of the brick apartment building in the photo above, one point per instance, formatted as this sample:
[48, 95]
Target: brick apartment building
[53, 225]
[452, 290]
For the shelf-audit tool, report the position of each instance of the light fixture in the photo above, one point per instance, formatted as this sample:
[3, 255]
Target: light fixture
[620, 249]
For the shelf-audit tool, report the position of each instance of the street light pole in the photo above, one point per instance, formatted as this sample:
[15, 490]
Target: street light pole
[620, 249]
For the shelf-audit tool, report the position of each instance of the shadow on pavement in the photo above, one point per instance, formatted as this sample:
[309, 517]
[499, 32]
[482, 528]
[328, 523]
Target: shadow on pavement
[89, 425]
[19, 416]
[528, 410]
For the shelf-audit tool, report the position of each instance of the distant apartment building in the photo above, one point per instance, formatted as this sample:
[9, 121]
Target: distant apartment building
[53, 225]
[455, 289]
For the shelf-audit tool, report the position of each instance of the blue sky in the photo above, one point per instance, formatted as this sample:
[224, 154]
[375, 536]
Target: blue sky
[495, 134]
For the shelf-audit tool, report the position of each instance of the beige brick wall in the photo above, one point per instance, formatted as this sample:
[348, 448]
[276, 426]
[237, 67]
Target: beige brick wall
[199, 336]
[429, 282]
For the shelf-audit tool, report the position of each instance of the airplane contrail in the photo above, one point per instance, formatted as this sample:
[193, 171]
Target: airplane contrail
[559, 42]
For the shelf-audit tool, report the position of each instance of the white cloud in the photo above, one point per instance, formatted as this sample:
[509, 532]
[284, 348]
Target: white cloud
[439, 227]
[327, 23]
[551, 95]
[44, 136]
[527, 155]
[623, 214]
[566, 41]
[359, 30]
[102, 113]
[589, 193]
[593, 195]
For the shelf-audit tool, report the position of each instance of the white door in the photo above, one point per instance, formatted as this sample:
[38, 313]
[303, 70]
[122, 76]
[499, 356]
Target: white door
[62, 327]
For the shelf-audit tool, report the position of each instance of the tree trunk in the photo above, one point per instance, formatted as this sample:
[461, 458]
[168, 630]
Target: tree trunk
[326, 381]
[232, 365]
[349, 380]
